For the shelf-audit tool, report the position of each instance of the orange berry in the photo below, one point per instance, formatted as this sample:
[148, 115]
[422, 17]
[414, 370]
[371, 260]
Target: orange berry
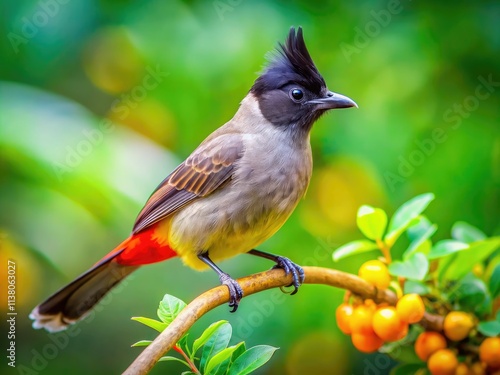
[371, 303]
[462, 369]
[376, 273]
[477, 369]
[387, 325]
[427, 343]
[366, 342]
[361, 320]
[457, 325]
[489, 352]
[410, 308]
[443, 362]
[343, 315]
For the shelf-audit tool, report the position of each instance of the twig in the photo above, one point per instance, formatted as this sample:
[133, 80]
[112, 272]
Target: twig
[254, 284]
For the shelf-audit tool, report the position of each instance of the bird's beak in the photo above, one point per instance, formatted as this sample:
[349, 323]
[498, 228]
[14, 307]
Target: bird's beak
[333, 100]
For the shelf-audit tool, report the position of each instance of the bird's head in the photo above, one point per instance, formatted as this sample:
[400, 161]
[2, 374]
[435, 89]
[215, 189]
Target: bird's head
[290, 91]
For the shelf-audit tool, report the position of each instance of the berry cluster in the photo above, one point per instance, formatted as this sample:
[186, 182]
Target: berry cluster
[451, 286]
[371, 325]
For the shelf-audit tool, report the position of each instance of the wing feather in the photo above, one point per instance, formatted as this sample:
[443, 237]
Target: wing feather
[203, 172]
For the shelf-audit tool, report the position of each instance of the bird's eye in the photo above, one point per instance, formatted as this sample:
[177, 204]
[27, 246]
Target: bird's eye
[296, 94]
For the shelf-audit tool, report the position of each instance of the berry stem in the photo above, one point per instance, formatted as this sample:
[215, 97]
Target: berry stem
[179, 350]
[386, 251]
[347, 296]
[401, 281]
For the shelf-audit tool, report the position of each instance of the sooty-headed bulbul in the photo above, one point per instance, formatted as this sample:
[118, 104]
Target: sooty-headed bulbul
[231, 194]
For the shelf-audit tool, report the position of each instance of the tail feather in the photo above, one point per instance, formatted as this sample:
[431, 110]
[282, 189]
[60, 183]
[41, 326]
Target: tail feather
[75, 300]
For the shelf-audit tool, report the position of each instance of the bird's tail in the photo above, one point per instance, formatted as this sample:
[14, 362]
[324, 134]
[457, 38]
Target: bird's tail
[75, 300]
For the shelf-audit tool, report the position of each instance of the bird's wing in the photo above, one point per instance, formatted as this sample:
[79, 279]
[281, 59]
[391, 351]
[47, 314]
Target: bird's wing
[203, 172]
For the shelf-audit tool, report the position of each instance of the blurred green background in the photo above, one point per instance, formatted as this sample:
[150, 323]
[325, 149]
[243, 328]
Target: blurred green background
[100, 100]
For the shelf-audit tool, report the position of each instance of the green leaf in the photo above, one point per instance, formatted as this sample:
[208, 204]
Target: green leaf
[418, 226]
[241, 348]
[464, 232]
[142, 343]
[251, 360]
[169, 308]
[417, 244]
[405, 214]
[490, 328]
[200, 341]
[407, 368]
[469, 293]
[478, 251]
[216, 342]
[412, 286]
[414, 268]
[423, 247]
[222, 367]
[168, 358]
[443, 265]
[485, 308]
[372, 222]
[352, 248]
[151, 323]
[218, 360]
[495, 282]
[446, 247]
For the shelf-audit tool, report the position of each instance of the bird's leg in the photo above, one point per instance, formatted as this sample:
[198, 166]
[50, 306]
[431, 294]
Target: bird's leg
[235, 291]
[286, 264]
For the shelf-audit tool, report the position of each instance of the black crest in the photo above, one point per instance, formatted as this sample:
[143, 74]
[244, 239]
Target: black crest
[291, 63]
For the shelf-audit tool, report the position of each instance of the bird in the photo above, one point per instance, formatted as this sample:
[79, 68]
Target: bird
[233, 192]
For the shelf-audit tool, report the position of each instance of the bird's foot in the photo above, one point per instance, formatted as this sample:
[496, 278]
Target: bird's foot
[235, 291]
[292, 268]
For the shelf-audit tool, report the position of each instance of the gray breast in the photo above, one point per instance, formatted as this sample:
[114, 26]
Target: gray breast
[273, 175]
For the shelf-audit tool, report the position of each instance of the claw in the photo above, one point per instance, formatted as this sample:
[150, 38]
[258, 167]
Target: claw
[235, 291]
[290, 267]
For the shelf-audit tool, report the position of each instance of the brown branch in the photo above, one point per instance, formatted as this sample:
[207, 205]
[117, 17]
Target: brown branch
[254, 284]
